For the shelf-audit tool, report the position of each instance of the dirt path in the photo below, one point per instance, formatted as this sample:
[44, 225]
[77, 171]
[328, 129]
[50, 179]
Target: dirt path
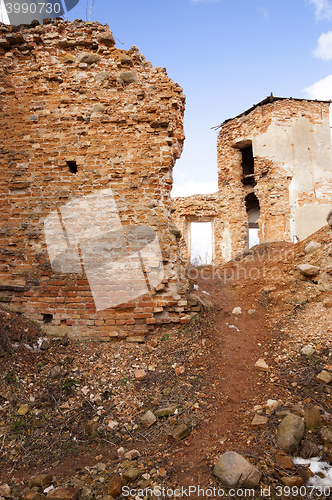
[236, 342]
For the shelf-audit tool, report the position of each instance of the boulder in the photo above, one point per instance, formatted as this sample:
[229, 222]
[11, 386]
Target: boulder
[129, 76]
[290, 433]
[235, 471]
[308, 269]
[106, 38]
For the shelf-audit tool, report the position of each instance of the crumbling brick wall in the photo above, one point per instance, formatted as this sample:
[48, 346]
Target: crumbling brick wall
[274, 164]
[78, 116]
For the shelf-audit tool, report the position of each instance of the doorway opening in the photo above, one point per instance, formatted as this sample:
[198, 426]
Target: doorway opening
[201, 243]
[253, 211]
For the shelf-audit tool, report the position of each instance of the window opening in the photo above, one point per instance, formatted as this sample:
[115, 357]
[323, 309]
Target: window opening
[248, 166]
[72, 166]
[201, 243]
[253, 211]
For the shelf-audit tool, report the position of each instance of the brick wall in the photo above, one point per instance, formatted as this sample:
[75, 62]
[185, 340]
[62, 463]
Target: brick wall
[79, 116]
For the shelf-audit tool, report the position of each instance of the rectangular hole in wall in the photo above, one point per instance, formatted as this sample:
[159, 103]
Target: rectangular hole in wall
[248, 165]
[201, 243]
[47, 319]
[72, 166]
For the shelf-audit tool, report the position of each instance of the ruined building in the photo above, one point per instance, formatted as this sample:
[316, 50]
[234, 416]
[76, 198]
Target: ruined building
[274, 178]
[90, 136]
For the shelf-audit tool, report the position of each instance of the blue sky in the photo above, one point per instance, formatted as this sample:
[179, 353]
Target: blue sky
[227, 55]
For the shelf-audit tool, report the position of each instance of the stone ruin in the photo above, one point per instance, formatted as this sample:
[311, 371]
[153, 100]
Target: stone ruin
[92, 245]
[91, 133]
[274, 178]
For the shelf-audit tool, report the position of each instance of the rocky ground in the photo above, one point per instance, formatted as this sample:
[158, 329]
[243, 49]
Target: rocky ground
[223, 402]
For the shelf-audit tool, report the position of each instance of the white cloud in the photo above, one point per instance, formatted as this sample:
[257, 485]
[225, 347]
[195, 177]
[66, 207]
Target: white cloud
[263, 11]
[324, 47]
[320, 90]
[191, 187]
[323, 8]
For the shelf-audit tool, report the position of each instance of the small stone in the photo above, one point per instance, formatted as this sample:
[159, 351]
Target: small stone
[148, 419]
[237, 310]
[312, 417]
[5, 491]
[324, 376]
[252, 311]
[112, 425]
[180, 432]
[259, 421]
[261, 365]
[63, 494]
[42, 480]
[308, 350]
[290, 433]
[292, 481]
[102, 76]
[284, 461]
[162, 472]
[88, 58]
[308, 269]
[131, 475]
[114, 486]
[132, 455]
[98, 108]
[165, 412]
[23, 410]
[235, 471]
[308, 449]
[121, 452]
[312, 247]
[326, 435]
[327, 302]
[125, 59]
[271, 405]
[140, 374]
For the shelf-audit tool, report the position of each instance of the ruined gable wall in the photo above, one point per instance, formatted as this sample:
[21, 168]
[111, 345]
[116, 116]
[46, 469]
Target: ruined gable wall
[290, 140]
[68, 95]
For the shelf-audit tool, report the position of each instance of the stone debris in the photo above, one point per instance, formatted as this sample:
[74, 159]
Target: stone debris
[140, 375]
[63, 494]
[312, 417]
[308, 350]
[324, 376]
[312, 247]
[308, 269]
[132, 455]
[292, 481]
[5, 491]
[165, 412]
[271, 405]
[42, 480]
[237, 310]
[235, 471]
[148, 419]
[259, 421]
[290, 433]
[261, 365]
[180, 432]
[114, 486]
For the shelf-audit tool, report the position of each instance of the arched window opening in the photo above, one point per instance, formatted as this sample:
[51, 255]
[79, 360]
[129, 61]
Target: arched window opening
[253, 211]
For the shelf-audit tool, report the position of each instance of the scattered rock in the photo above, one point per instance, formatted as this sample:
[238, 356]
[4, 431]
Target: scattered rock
[121, 452]
[165, 412]
[252, 311]
[180, 432]
[312, 247]
[271, 405]
[23, 410]
[284, 461]
[5, 491]
[308, 350]
[261, 365]
[42, 480]
[132, 455]
[112, 425]
[114, 486]
[327, 302]
[308, 449]
[235, 471]
[312, 417]
[140, 374]
[290, 433]
[131, 475]
[259, 421]
[292, 481]
[324, 376]
[326, 435]
[63, 494]
[308, 269]
[148, 419]
[237, 310]
[98, 108]
[68, 59]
